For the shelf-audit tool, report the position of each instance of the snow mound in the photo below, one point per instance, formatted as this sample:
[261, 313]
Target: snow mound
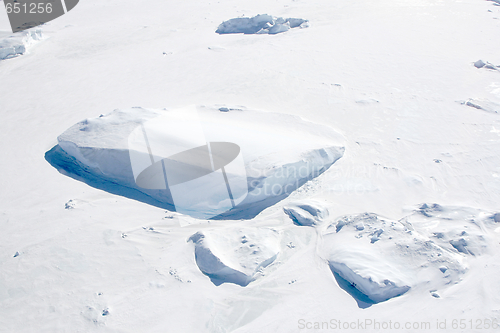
[235, 255]
[381, 259]
[260, 24]
[483, 104]
[276, 154]
[17, 44]
[308, 213]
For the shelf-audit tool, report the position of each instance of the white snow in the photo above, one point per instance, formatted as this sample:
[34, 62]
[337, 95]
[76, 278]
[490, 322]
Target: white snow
[384, 74]
[260, 24]
[14, 45]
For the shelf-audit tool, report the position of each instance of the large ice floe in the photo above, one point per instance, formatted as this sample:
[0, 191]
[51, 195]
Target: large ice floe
[260, 24]
[14, 45]
[206, 162]
[236, 255]
[375, 259]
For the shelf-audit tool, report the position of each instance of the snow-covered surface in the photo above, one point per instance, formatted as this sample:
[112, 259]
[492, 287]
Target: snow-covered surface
[280, 153]
[260, 24]
[385, 74]
[14, 45]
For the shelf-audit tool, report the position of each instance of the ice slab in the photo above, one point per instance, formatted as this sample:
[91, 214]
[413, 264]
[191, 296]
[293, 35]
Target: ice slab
[275, 153]
[260, 24]
[17, 44]
[381, 259]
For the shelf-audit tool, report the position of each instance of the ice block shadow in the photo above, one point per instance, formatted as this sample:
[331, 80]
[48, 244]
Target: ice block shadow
[362, 300]
[71, 167]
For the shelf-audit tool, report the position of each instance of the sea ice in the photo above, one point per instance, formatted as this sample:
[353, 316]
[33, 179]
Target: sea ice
[260, 24]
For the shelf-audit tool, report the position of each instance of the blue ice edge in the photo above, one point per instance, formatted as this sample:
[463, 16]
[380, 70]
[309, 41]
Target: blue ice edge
[71, 167]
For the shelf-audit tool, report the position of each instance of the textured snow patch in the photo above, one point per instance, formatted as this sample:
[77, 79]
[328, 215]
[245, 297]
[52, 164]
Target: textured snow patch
[235, 255]
[17, 44]
[383, 259]
[308, 213]
[458, 229]
[260, 24]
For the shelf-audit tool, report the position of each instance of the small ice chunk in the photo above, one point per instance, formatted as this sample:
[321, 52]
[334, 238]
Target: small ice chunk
[479, 64]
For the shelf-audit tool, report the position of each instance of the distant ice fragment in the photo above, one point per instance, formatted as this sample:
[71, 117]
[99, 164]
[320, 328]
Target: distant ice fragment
[260, 24]
[484, 104]
[496, 217]
[482, 64]
[479, 64]
[17, 44]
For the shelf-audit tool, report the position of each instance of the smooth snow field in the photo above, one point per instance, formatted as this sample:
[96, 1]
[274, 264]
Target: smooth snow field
[346, 179]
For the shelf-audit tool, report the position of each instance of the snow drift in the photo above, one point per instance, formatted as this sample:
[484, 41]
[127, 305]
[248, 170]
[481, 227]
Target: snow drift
[235, 255]
[279, 153]
[260, 24]
[14, 45]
